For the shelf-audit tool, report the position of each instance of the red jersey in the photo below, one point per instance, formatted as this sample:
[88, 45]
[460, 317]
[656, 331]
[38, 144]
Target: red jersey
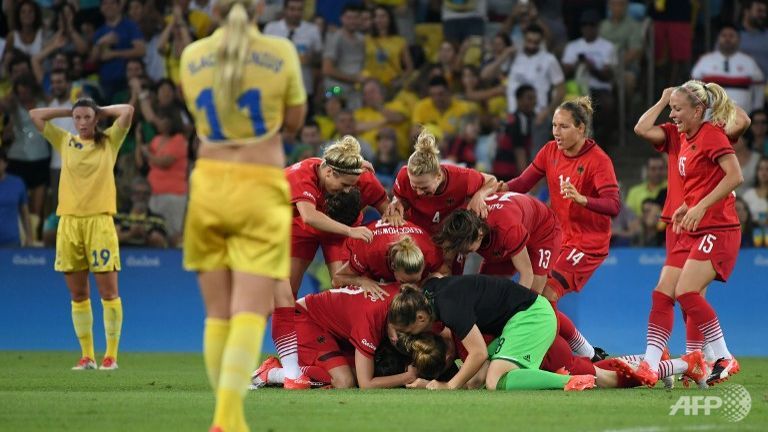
[348, 315]
[671, 146]
[591, 172]
[371, 259]
[428, 210]
[305, 186]
[513, 220]
[700, 173]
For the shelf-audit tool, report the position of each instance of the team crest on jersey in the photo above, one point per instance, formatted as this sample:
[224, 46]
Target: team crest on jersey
[75, 144]
[693, 147]
[580, 169]
[321, 339]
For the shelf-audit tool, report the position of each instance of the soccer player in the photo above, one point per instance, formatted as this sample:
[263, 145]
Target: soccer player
[519, 236]
[473, 305]
[242, 88]
[328, 321]
[584, 195]
[404, 254]
[87, 240]
[700, 206]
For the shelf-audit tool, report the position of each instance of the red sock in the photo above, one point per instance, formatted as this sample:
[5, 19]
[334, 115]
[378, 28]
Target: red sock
[702, 315]
[316, 374]
[284, 336]
[694, 339]
[660, 322]
[567, 330]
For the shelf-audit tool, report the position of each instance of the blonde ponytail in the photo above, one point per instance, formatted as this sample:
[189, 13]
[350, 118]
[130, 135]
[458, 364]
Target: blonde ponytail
[344, 156]
[425, 158]
[718, 107]
[233, 51]
[405, 255]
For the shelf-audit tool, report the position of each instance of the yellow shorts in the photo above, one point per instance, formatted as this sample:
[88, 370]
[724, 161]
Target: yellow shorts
[87, 243]
[239, 218]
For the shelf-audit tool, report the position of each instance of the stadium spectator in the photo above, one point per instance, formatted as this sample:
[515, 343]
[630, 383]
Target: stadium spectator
[498, 58]
[733, 70]
[347, 125]
[14, 210]
[63, 24]
[176, 35]
[440, 109]
[655, 171]
[490, 99]
[387, 57]
[198, 23]
[672, 39]
[114, 42]
[333, 103]
[310, 135]
[344, 56]
[387, 161]
[756, 196]
[376, 114]
[625, 34]
[594, 59]
[524, 15]
[15, 65]
[749, 229]
[27, 33]
[203, 6]
[461, 148]
[758, 131]
[462, 19]
[513, 143]
[534, 66]
[164, 96]
[138, 225]
[448, 65]
[149, 20]
[61, 90]
[166, 156]
[754, 36]
[624, 227]
[305, 37]
[748, 160]
[650, 234]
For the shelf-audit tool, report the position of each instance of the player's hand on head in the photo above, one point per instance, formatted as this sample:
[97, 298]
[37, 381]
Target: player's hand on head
[411, 374]
[360, 233]
[478, 206]
[393, 215]
[667, 93]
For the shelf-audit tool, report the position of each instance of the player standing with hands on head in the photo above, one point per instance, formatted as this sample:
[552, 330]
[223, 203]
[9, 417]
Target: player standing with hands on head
[86, 239]
[704, 233]
[588, 197]
[241, 87]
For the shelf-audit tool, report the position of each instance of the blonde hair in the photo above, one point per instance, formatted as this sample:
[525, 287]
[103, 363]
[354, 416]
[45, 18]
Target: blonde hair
[427, 351]
[581, 110]
[233, 51]
[344, 156]
[424, 159]
[405, 255]
[406, 304]
[718, 107]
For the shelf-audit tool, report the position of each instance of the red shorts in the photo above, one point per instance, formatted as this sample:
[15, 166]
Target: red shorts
[721, 248]
[675, 257]
[572, 270]
[316, 346]
[674, 39]
[540, 251]
[304, 244]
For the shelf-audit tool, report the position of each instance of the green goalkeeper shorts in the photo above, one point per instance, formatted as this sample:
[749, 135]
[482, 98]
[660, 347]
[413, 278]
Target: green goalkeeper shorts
[527, 336]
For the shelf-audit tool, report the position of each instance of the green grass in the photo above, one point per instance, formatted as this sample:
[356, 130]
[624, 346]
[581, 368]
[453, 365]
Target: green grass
[169, 392]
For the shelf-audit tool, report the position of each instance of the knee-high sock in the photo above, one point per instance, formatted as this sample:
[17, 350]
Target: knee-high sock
[113, 324]
[531, 379]
[672, 367]
[660, 322]
[284, 336]
[82, 320]
[214, 340]
[701, 313]
[573, 336]
[238, 361]
[694, 340]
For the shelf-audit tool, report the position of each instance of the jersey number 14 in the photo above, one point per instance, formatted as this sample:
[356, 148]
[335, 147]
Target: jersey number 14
[250, 99]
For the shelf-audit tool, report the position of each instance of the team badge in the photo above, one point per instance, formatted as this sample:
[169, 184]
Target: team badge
[580, 169]
[75, 144]
[321, 339]
[693, 147]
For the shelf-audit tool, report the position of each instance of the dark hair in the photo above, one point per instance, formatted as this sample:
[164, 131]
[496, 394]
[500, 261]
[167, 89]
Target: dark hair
[728, 25]
[522, 89]
[392, 28]
[38, 14]
[406, 304]
[427, 351]
[61, 72]
[534, 28]
[311, 122]
[138, 60]
[438, 81]
[343, 207]
[350, 7]
[18, 56]
[581, 111]
[387, 360]
[98, 135]
[173, 116]
[504, 37]
[459, 230]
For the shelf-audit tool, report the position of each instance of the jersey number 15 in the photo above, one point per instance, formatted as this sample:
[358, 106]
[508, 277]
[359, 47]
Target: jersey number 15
[250, 99]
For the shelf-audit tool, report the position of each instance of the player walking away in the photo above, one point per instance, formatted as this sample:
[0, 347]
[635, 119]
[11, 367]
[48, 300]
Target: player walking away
[473, 305]
[705, 228]
[328, 321]
[242, 88]
[519, 236]
[86, 239]
[404, 254]
[574, 165]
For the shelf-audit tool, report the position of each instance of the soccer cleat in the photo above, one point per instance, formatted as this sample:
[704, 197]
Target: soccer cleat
[300, 383]
[646, 376]
[600, 354]
[722, 370]
[698, 369]
[260, 377]
[85, 363]
[669, 381]
[108, 363]
[580, 382]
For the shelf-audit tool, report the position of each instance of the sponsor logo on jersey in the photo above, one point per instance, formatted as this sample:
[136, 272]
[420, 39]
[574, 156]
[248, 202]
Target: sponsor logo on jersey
[368, 344]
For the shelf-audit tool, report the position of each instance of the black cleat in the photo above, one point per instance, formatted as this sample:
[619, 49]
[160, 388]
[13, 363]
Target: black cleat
[600, 354]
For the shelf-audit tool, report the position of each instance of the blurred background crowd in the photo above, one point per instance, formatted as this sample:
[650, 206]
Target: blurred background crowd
[483, 75]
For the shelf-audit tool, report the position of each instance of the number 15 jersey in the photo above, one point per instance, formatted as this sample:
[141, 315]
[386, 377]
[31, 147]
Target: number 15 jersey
[271, 80]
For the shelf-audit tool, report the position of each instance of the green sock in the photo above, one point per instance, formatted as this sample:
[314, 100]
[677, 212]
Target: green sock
[531, 379]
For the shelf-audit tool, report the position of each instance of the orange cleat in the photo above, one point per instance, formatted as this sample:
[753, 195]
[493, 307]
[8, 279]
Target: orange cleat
[722, 370]
[260, 377]
[698, 369]
[580, 382]
[85, 363]
[647, 376]
[300, 383]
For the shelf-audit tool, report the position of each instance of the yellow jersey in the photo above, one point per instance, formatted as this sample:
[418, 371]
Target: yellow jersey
[271, 81]
[367, 114]
[449, 121]
[87, 185]
[383, 57]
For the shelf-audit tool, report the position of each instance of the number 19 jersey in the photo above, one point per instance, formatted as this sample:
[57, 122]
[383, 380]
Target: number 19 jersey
[271, 80]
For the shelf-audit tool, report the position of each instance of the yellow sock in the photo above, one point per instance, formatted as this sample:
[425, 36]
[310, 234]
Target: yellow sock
[82, 319]
[240, 355]
[113, 323]
[214, 341]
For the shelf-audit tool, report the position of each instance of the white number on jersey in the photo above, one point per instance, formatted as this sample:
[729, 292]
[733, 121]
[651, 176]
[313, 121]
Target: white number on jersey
[575, 256]
[380, 224]
[544, 255]
[681, 165]
[707, 243]
[436, 218]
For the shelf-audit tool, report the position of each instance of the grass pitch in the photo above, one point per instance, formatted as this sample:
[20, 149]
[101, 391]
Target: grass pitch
[169, 392]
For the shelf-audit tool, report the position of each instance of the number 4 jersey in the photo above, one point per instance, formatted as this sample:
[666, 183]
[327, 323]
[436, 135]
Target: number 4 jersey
[271, 82]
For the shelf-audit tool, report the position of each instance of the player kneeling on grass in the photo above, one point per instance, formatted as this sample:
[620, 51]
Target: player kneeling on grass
[473, 305]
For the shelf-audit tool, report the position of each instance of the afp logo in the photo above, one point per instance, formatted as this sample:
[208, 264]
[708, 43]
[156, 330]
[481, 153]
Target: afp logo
[733, 403]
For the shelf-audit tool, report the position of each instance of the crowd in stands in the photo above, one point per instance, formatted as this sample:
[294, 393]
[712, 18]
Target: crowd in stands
[484, 76]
